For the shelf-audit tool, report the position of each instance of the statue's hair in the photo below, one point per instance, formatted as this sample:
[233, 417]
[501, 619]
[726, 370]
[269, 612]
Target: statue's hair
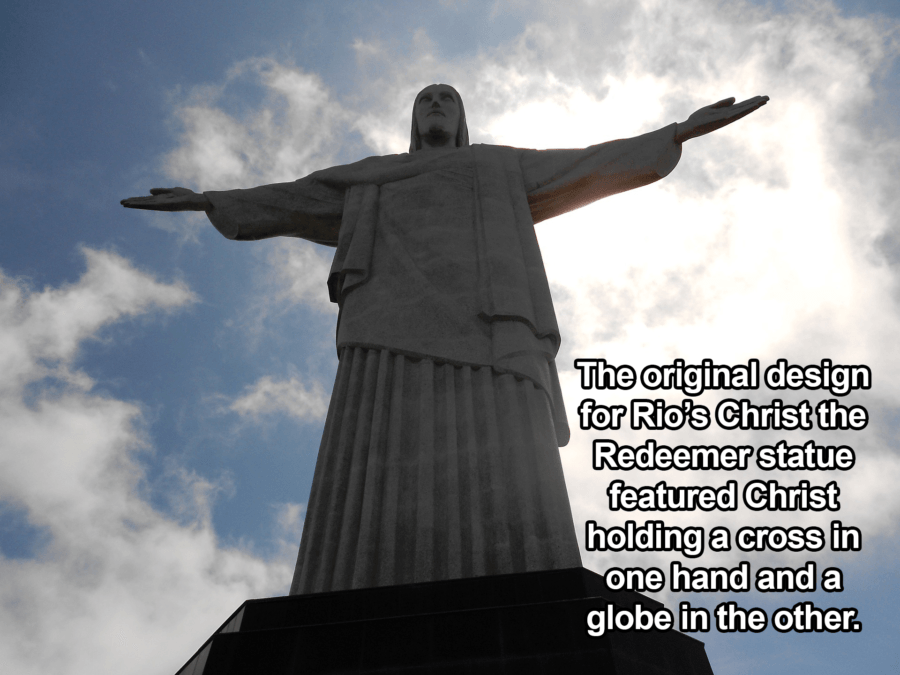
[462, 133]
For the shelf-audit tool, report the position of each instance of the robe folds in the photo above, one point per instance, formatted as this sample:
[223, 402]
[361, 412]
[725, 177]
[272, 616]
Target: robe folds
[439, 458]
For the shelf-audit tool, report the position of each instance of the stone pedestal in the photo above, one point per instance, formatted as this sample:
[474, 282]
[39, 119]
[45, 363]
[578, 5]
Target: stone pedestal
[509, 624]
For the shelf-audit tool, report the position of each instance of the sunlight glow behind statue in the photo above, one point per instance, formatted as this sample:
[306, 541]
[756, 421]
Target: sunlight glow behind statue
[439, 458]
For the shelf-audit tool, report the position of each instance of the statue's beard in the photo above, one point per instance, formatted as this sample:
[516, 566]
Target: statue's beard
[438, 133]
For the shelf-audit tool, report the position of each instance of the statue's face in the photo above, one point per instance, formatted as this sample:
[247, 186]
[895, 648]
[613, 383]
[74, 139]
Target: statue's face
[437, 112]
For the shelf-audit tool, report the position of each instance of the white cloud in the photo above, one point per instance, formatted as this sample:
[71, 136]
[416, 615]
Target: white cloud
[289, 527]
[289, 134]
[116, 578]
[43, 330]
[290, 518]
[302, 272]
[290, 397]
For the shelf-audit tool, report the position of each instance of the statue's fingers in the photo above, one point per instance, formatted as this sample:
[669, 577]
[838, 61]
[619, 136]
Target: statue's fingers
[738, 114]
[756, 101]
[750, 106]
[724, 103]
[160, 191]
[155, 202]
[134, 200]
[150, 204]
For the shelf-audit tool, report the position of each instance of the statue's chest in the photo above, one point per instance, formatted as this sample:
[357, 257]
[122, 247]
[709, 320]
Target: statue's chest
[431, 217]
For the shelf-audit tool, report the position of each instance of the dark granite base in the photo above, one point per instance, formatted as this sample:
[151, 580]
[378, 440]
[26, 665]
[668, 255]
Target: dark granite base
[510, 624]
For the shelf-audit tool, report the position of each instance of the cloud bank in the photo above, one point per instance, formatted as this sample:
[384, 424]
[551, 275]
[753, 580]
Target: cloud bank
[290, 397]
[108, 564]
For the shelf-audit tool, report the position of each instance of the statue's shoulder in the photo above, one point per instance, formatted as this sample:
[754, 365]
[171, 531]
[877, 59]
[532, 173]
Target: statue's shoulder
[367, 170]
[500, 157]
[374, 160]
[487, 147]
[503, 154]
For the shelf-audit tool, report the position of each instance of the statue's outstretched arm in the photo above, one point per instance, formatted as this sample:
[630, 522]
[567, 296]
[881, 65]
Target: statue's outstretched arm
[305, 208]
[557, 181]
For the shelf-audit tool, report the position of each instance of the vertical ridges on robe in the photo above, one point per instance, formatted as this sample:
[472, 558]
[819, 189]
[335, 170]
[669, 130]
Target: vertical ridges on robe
[372, 500]
[448, 473]
[430, 471]
[424, 488]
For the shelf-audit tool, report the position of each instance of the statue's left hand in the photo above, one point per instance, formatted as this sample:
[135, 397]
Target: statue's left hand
[716, 116]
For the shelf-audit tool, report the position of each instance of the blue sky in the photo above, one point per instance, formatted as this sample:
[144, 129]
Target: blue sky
[162, 389]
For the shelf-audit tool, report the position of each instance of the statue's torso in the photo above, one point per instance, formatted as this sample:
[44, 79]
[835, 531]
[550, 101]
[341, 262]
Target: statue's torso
[428, 222]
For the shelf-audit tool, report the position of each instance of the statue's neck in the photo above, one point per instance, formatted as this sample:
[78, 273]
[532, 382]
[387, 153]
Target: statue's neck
[431, 142]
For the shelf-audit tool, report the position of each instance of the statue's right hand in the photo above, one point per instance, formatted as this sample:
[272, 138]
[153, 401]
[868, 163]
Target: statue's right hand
[169, 199]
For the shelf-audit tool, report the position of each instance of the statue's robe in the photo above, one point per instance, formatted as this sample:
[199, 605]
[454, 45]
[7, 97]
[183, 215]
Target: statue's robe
[439, 458]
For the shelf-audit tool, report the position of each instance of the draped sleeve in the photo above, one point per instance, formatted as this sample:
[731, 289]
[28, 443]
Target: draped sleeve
[308, 208]
[559, 181]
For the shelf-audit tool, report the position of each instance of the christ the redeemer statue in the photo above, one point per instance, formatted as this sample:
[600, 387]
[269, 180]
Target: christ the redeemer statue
[439, 458]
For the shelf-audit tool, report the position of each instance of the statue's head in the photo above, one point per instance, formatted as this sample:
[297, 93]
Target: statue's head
[438, 111]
